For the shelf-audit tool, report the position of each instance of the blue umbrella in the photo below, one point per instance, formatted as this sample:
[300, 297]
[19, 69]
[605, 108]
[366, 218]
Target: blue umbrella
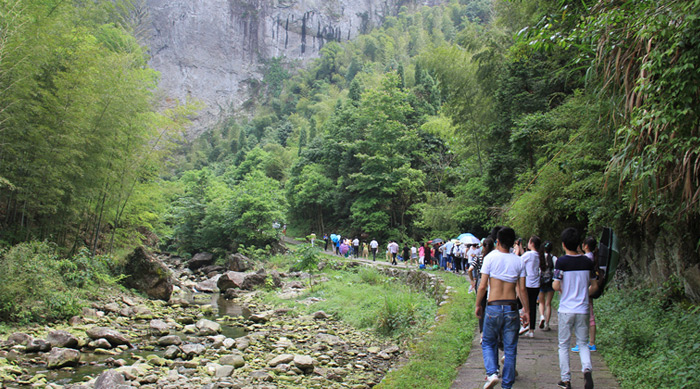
[462, 236]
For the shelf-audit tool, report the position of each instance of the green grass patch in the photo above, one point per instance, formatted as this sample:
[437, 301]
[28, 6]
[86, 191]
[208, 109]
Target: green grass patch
[367, 299]
[437, 354]
[648, 338]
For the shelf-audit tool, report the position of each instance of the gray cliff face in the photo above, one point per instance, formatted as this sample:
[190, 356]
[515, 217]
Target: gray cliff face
[211, 50]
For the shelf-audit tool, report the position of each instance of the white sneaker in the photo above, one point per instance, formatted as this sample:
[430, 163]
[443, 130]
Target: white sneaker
[492, 381]
[523, 330]
[542, 322]
[546, 327]
[531, 334]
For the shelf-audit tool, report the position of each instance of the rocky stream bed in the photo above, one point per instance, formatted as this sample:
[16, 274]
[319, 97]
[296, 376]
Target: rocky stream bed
[212, 332]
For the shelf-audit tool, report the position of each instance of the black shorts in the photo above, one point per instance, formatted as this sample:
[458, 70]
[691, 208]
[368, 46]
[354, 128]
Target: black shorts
[547, 287]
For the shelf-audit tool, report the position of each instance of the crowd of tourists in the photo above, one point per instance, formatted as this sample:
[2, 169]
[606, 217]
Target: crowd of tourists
[514, 280]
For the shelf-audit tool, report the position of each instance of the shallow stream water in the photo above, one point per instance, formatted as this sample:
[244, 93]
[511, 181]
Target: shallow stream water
[92, 364]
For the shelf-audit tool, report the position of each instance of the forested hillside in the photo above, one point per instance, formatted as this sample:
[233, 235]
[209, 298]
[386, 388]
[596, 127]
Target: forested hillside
[534, 114]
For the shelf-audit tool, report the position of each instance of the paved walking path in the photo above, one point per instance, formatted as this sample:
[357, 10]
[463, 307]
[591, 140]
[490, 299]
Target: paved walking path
[537, 364]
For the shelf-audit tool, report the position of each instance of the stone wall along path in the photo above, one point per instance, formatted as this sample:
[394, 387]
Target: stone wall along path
[537, 364]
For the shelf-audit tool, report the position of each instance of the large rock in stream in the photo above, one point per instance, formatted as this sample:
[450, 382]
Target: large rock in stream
[62, 339]
[245, 281]
[112, 336]
[200, 260]
[61, 357]
[148, 274]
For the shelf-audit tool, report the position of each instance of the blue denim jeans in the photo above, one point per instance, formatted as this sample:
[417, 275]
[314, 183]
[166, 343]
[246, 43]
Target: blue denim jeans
[500, 321]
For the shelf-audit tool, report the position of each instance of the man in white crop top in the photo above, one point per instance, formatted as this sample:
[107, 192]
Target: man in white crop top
[504, 274]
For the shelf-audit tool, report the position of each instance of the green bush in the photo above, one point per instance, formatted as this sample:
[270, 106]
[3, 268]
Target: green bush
[398, 313]
[648, 340]
[37, 285]
[371, 276]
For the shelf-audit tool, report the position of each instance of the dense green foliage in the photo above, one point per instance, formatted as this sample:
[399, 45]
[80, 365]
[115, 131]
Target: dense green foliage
[536, 114]
[649, 338]
[79, 136]
[37, 285]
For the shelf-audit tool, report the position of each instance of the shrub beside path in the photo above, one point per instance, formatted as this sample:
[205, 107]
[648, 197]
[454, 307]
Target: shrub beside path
[537, 364]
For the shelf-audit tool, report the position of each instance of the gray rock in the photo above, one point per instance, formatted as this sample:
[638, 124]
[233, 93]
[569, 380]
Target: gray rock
[147, 274]
[284, 358]
[179, 301]
[212, 270]
[224, 371]
[209, 286]
[384, 355]
[231, 280]
[62, 339]
[392, 350]
[61, 357]
[294, 285]
[228, 343]
[38, 345]
[172, 352]
[158, 327]
[200, 260]
[320, 315]
[254, 280]
[220, 49]
[261, 317]
[328, 339]
[192, 350]
[169, 340]
[112, 307]
[239, 263]
[149, 379]
[114, 337]
[234, 360]
[261, 375]
[100, 343]
[19, 338]
[242, 343]
[109, 379]
[141, 312]
[304, 362]
[207, 327]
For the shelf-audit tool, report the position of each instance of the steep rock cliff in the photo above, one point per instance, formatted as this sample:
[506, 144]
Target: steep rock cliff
[211, 50]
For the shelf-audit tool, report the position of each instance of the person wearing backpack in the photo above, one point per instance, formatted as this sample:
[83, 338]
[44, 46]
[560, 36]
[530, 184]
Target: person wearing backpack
[546, 291]
[590, 249]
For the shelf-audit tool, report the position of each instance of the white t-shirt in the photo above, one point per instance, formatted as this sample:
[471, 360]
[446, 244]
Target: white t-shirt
[393, 248]
[531, 261]
[356, 242]
[373, 244]
[503, 266]
[574, 273]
